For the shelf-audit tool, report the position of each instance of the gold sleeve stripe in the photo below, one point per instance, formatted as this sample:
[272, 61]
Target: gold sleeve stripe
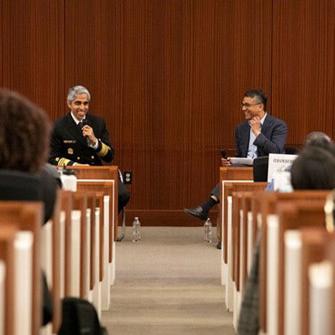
[64, 162]
[104, 150]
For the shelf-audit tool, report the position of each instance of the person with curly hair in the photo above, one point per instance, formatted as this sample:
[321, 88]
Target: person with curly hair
[24, 147]
[24, 134]
[24, 144]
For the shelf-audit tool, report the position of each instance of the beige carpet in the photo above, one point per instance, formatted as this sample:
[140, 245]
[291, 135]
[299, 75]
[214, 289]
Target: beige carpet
[168, 283]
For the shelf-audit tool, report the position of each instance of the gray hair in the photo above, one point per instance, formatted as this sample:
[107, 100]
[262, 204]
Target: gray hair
[75, 91]
[318, 139]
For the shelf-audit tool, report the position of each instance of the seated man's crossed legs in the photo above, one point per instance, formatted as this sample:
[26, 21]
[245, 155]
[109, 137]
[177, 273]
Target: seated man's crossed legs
[202, 212]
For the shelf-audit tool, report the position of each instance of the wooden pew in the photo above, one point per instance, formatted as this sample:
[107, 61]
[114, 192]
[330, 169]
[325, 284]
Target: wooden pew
[26, 217]
[50, 258]
[292, 217]
[107, 177]
[7, 236]
[250, 226]
[65, 240]
[317, 263]
[2, 296]
[227, 175]
[75, 257]
[233, 225]
[56, 259]
[241, 196]
[107, 254]
[72, 247]
[267, 203]
[315, 243]
[95, 241]
[77, 263]
[106, 173]
[320, 295]
[236, 173]
[82, 205]
[82, 249]
[330, 254]
[73, 264]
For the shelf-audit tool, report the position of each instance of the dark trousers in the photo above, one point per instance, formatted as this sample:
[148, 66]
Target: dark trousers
[123, 196]
[216, 191]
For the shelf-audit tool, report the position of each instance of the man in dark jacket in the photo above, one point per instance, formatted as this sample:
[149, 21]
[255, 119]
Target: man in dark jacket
[259, 135]
[80, 138]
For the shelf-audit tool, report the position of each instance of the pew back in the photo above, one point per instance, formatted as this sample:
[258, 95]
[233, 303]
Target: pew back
[27, 216]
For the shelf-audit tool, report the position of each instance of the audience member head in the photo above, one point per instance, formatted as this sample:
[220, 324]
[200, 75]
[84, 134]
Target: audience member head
[318, 139]
[313, 169]
[24, 133]
[258, 95]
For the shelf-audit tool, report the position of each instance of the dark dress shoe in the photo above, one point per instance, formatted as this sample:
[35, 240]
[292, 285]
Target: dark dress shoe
[218, 246]
[197, 212]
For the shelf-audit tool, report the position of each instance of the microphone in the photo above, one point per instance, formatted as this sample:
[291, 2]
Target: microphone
[84, 123]
[224, 153]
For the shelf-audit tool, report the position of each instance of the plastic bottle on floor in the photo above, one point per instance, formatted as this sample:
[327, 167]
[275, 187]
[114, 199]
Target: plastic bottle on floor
[136, 233]
[208, 233]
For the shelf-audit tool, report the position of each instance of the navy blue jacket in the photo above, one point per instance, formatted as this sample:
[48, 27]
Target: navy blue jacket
[69, 146]
[271, 140]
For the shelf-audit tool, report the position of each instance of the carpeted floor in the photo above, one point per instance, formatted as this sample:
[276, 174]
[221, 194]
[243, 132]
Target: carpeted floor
[168, 283]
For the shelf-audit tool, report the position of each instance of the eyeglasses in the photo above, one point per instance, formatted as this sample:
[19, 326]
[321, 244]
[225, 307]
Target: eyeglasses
[249, 105]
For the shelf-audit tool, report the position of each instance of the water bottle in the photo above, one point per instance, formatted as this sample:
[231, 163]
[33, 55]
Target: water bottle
[208, 233]
[136, 234]
[69, 180]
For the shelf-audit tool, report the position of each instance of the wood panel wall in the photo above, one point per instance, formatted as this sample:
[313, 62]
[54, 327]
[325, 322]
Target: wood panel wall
[303, 72]
[168, 77]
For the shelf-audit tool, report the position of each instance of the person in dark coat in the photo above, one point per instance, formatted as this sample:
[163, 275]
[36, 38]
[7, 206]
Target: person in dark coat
[80, 138]
[24, 144]
[259, 135]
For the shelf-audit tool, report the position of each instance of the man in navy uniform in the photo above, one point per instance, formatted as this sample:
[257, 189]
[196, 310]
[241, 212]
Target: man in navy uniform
[80, 138]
